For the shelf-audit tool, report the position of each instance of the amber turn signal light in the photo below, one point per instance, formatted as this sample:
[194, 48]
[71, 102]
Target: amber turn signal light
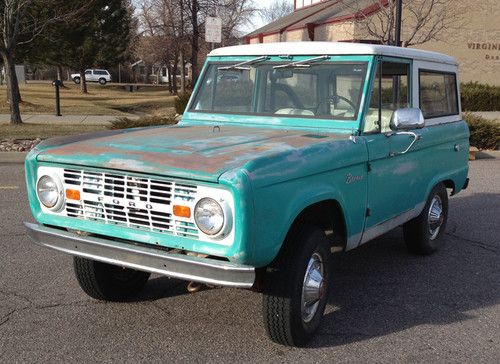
[73, 194]
[182, 211]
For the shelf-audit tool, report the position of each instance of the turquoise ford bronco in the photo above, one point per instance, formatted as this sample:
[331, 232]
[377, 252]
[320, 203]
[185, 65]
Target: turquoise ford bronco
[286, 153]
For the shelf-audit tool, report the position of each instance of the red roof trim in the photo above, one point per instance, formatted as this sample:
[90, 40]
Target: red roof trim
[287, 27]
[358, 15]
[313, 13]
[291, 26]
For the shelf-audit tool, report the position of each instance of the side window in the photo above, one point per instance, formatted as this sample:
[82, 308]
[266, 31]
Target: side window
[438, 94]
[88, 72]
[389, 93]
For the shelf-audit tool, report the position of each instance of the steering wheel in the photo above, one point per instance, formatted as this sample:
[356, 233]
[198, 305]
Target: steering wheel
[288, 91]
[336, 98]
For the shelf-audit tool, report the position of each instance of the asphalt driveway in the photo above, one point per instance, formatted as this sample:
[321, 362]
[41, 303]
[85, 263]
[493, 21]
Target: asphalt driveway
[387, 305]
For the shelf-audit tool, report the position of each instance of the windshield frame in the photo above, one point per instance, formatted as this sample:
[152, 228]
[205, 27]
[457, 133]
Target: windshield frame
[279, 120]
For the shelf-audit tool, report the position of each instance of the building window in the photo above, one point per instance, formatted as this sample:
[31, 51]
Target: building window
[303, 3]
[438, 94]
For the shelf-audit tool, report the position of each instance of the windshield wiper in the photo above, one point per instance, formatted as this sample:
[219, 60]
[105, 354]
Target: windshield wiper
[304, 64]
[239, 66]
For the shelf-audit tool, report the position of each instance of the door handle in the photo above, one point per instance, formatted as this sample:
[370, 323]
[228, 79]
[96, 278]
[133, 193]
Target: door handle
[415, 137]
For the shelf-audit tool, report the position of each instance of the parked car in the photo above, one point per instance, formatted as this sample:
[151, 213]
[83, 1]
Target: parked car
[265, 175]
[93, 75]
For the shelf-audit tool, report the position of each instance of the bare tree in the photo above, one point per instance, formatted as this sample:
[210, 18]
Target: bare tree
[21, 21]
[278, 9]
[180, 25]
[235, 14]
[163, 39]
[423, 20]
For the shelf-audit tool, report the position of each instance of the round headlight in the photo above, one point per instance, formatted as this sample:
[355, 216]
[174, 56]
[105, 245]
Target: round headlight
[48, 191]
[209, 216]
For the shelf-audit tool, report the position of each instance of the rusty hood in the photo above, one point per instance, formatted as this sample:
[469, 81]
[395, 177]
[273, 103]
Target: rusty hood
[192, 151]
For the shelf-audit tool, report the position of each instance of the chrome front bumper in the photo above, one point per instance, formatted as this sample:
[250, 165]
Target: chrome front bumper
[143, 258]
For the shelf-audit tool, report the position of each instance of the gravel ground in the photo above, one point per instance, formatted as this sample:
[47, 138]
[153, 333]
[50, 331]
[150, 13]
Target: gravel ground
[387, 305]
[18, 145]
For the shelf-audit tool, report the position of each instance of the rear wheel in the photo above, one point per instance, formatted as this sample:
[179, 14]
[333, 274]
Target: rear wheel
[296, 288]
[424, 233]
[77, 80]
[108, 282]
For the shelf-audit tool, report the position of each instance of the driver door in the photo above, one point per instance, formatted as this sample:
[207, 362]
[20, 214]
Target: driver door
[390, 175]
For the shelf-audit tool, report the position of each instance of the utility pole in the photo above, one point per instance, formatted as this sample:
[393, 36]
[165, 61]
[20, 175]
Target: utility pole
[399, 10]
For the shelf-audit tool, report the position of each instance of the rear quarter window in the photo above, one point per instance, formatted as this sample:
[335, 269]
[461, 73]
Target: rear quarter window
[438, 93]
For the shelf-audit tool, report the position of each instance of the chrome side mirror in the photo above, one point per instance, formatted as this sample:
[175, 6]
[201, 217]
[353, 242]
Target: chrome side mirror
[407, 119]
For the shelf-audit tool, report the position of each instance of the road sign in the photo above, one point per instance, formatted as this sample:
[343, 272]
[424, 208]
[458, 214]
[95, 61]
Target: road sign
[213, 30]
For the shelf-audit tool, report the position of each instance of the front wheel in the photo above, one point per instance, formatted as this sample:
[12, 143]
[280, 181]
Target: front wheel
[77, 80]
[296, 287]
[423, 234]
[102, 81]
[108, 282]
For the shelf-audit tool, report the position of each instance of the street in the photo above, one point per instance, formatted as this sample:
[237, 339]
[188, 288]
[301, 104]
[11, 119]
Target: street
[386, 306]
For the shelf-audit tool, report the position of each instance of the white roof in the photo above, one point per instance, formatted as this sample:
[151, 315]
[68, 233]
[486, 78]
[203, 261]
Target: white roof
[330, 48]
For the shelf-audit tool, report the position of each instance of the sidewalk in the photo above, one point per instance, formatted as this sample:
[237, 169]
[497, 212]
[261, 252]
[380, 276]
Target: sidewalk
[66, 119]
[12, 157]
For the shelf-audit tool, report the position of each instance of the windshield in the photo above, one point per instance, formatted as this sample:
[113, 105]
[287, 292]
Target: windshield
[317, 90]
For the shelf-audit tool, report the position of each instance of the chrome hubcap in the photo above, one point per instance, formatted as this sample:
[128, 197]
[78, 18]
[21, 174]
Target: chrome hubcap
[436, 217]
[312, 288]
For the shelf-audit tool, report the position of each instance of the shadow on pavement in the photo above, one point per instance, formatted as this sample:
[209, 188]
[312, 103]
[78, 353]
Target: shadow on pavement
[159, 287]
[380, 288]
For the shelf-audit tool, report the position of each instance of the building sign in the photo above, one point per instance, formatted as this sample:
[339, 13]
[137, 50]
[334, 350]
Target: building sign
[213, 30]
[485, 46]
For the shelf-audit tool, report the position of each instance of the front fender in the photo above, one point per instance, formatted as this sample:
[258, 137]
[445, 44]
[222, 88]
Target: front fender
[277, 206]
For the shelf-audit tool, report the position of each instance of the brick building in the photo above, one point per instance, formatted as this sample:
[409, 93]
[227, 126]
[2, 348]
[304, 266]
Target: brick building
[475, 40]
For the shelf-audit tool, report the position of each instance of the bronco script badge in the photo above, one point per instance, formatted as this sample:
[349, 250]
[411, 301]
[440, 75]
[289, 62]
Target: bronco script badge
[351, 179]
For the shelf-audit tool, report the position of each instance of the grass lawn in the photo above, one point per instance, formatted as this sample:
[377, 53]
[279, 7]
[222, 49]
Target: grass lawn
[112, 99]
[43, 131]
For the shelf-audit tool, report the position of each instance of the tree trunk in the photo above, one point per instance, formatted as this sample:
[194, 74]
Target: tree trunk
[174, 74]
[183, 73]
[60, 75]
[169, 68]
[13, 94]
[83, 83]
[194, 41]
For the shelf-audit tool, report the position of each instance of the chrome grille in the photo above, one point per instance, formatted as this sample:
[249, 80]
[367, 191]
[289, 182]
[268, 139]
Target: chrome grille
[136, 202]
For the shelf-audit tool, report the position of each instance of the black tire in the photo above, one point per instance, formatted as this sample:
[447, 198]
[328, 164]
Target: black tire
[423, 234]
[77, 80]
[283, 295]
[108, 282]
[102, 81]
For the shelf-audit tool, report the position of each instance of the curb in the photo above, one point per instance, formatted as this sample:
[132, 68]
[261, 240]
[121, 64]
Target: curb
[12, 157]
[488, 154]
[104, 120]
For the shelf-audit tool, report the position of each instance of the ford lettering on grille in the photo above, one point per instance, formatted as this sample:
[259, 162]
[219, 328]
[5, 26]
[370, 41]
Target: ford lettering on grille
[136, 202]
